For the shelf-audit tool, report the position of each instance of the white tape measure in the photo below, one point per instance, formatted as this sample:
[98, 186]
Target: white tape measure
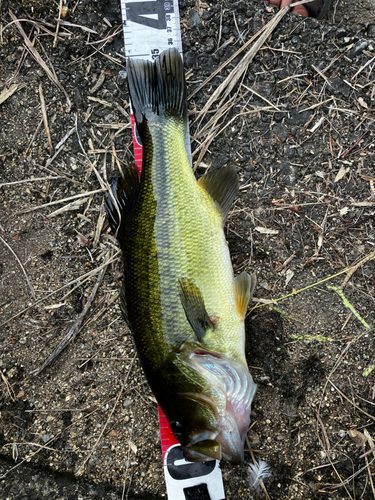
[151, 27]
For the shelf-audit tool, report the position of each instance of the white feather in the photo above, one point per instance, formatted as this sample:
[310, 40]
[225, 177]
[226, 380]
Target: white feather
[258, 473]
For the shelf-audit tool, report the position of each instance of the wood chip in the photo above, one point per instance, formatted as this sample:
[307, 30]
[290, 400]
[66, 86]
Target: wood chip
[264, 230]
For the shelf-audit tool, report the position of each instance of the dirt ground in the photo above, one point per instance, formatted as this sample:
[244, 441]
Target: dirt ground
[298, 125]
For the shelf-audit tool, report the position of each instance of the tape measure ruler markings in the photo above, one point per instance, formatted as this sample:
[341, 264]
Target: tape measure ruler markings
[150, 27]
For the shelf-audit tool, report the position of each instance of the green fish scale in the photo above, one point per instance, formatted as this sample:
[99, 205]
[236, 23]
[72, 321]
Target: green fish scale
[176, 232]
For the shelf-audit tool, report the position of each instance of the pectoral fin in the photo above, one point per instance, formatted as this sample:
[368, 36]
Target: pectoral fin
[195, 310]
[244, 286]
[222, 186]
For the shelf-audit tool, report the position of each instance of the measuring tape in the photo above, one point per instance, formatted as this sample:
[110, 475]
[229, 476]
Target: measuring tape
[150, 28]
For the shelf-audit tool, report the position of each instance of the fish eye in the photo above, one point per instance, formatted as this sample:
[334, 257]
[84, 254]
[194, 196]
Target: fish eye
[176, 427]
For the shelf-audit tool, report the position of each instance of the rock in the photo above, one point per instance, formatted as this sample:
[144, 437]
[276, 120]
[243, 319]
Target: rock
[340, 87]
[281, 132]
[288, 173]
[358, 48]
[195, 19]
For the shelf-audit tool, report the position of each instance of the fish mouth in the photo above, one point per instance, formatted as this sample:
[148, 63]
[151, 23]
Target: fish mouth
[228, 393]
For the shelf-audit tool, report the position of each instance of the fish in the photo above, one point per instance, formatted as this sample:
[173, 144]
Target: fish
[180, 299]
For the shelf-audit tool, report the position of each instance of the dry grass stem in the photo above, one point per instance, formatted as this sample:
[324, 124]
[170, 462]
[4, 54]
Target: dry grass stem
[58, 24]
[39, 60]
[8, 387]
[31, 288]
[74, 205]
[351, 402]
[8, 92]
[32, 179]
[78, 280]
[74, 330]
[74, 197]
[354, 268]
[65, 138]
[80, 470]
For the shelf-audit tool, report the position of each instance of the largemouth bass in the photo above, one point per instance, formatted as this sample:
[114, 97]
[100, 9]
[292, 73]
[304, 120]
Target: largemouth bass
[180, 298]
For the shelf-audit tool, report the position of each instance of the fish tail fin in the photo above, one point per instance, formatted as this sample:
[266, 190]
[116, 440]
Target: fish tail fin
[158, 89]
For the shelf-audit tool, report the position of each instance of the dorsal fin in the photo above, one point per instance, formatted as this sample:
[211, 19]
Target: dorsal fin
[121, 199]
[244, 286]
[222, 186]
[195, 310]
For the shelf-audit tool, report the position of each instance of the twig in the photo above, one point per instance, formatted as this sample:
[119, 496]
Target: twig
[58, 25]
[363, 67]
[356, 144]
[261, 97]
[80, 280]
[371, 444]
[329, 243]
[8, 387]
[36, 179]
[65, 138]
[230, 81]
[80, 470]
[45, 118]
[27, 210]
[238, 52]
[34, 135]
[328, 446]
[350, 401]
[73, 205]
[74, 330]
[347, 481]
[104, 185]
[321, 74]
[32, 291]
[6, 93]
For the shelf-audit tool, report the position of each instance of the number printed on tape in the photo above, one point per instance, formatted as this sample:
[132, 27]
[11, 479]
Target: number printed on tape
[150, 27]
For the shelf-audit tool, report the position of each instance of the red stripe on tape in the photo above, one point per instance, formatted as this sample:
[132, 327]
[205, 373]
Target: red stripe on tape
[166, 434]
[138, 149]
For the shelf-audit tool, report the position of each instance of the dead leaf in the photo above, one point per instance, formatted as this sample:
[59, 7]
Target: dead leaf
[82, 240]
[341, 173]
[362, 102]
[343, 211]
[288, 275]
[358, 438]
[132, 446]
